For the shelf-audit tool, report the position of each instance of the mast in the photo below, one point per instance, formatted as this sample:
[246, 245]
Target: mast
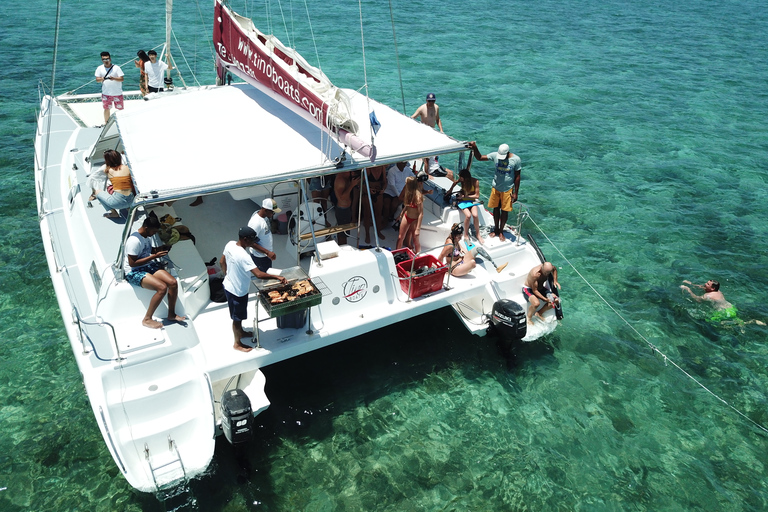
[168, 23]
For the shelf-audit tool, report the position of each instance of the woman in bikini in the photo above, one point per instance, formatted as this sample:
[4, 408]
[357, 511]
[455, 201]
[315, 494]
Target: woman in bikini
[410, 217]
[461, 262]
[468, 195]
[120, 177]
[142, 60]
[377, 181]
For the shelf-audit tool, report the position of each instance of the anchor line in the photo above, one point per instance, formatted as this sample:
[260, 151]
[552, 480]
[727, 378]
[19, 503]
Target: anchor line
[653, 347]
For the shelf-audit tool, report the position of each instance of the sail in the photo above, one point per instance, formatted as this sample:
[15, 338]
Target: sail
[263, 61]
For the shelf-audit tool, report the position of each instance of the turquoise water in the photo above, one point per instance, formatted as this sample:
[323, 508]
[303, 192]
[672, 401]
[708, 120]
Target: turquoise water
[642, 131]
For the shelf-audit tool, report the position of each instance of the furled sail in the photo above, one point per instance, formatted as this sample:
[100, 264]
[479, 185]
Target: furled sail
[264, 62]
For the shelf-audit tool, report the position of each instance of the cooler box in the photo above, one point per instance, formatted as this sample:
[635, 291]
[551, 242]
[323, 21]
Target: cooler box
[430, 282]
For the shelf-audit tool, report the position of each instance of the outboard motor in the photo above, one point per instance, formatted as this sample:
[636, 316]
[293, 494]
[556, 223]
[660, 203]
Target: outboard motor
[509, 323]
[236, 416]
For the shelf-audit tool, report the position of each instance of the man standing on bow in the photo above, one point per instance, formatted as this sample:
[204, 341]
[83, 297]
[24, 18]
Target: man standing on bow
[111, 77]
[506, 185]
[429, 113]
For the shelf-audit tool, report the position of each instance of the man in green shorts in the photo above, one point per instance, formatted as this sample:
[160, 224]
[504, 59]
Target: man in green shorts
[724, 310]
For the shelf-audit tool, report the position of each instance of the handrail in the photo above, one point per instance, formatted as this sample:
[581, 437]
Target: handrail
[111, 441]
[101, 323]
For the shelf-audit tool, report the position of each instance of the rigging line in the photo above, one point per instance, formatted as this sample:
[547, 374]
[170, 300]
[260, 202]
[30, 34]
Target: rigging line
[53, 85]
[651, 345]
[365, 71]
[312, 33]
[191, 71]
[86, 84]
[285, 26]
[205, 31]
[397, 57]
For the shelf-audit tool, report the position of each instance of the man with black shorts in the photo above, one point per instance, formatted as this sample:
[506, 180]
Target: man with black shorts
[506, 184]
[238, 266]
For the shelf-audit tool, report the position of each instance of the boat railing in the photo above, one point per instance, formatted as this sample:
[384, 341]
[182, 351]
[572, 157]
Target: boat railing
[80, 322]
[522, 214]
[446, 285]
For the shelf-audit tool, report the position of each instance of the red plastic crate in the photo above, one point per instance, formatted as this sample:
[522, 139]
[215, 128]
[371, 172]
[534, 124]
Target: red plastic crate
[405, 250]
[421, 284]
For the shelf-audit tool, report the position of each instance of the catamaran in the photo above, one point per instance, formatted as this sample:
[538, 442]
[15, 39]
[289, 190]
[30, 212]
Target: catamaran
[161, 396]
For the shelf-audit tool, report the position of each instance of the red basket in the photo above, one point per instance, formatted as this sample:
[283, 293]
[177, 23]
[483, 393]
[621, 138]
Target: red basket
[406, 251]
[421, 284]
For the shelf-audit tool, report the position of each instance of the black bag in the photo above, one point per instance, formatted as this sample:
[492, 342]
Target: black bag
[217, 289]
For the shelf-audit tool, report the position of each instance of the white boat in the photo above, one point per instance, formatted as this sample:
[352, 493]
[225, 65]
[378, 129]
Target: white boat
[156, 394]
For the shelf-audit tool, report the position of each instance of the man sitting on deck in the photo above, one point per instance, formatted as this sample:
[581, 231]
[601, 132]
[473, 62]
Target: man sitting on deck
[536, 289]
[142, 269]
[238, 266]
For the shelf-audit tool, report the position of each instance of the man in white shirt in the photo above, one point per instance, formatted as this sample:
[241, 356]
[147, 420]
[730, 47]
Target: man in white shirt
[396, 176]
[238, 266]
[143, 270]
[154, 70]
[111, 78]
[260, 222]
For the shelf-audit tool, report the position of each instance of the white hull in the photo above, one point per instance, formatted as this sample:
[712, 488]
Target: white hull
[155, 393]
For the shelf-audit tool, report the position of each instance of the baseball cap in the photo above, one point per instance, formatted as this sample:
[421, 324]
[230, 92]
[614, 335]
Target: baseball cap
[503, 150]
[270, 204]
[249, 233]
[431, 96]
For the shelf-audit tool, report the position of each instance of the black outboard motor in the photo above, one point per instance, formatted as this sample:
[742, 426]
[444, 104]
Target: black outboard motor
[236, 416]
[509, 323]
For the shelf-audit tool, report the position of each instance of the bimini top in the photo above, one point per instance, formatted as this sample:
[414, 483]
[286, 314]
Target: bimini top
[220, 138]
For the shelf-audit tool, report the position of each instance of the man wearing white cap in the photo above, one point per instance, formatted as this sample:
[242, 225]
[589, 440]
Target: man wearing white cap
[261, 223]
[506, 184]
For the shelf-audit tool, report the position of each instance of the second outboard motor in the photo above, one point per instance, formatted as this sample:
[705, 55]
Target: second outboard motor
[509, 323]
[236, 416]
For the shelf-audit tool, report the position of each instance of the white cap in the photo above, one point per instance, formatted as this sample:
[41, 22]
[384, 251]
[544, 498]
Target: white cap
[270, 204]
[503, 150]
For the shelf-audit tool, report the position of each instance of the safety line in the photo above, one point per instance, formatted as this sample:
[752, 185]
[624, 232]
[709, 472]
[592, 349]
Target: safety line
[654, 348]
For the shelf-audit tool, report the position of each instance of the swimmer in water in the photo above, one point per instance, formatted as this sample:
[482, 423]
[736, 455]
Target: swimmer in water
[724, 310]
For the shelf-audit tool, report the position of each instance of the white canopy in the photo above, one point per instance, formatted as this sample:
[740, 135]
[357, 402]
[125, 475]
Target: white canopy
[212, 139]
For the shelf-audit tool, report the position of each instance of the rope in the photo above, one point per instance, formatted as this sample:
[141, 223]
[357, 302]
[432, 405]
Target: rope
[397, 57]
[365, 72]
[653, 347]
[206, 31]
[312, 33]
[185, 62]
[49, 120]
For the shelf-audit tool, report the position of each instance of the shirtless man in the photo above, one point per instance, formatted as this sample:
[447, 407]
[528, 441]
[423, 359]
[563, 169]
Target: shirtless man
[536, 289]
[429, 113]
[724, 310]
[343, 185]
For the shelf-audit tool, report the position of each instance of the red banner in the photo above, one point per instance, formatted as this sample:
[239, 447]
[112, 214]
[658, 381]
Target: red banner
[250, 60]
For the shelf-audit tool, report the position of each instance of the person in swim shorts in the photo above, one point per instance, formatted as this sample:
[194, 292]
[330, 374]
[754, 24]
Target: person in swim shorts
[143, 270]
[506, 185]
[724, 310]
[111, 77]
[536, 290]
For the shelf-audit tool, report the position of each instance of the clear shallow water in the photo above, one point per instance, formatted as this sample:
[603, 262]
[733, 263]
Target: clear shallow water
[644, 145]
